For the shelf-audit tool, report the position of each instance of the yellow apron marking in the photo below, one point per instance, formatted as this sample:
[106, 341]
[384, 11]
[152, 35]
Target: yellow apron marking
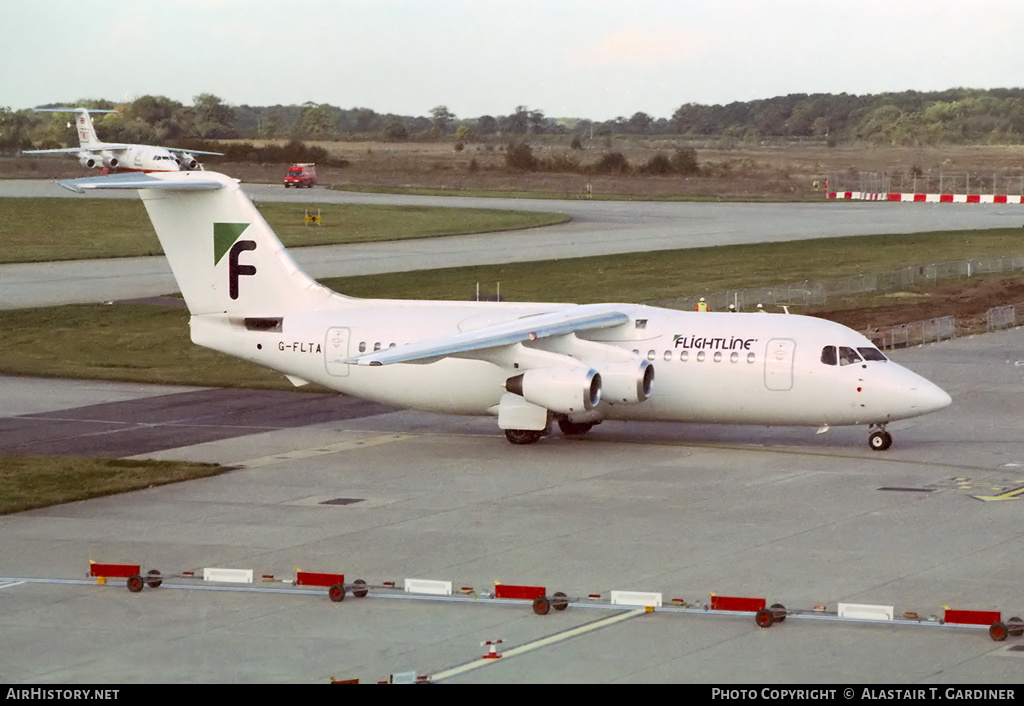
[1014, 494]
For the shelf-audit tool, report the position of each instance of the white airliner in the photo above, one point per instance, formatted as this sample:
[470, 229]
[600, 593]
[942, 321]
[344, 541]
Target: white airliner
[114, 157]
[526, 364]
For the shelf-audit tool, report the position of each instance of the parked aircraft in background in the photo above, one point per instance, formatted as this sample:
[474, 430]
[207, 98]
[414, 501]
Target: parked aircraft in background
[525, 364]
[115, 157]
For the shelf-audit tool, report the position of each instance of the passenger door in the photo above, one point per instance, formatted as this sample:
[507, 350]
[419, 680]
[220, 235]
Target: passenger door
[778, 364]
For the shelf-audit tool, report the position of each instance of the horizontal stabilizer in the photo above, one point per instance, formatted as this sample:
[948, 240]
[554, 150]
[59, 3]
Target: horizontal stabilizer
[183, 181]
[530, 328]
[71, 110]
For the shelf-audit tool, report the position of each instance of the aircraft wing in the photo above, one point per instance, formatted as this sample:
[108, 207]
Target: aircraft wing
[528, 328]
[69, 150]
[184, 181]
[183, 149]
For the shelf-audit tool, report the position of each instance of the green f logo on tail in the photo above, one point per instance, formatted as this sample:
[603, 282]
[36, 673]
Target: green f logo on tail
[225, 240]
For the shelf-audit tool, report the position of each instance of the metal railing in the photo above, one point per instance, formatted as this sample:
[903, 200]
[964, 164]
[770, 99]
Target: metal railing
[1002, 317]
[913, 333]
[817, 293]
[1006, 182]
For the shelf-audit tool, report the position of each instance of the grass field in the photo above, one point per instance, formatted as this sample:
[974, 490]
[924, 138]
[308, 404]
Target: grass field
[653, 276]
[730, 168]
[776, 170]
[28, 482]
[39, 230]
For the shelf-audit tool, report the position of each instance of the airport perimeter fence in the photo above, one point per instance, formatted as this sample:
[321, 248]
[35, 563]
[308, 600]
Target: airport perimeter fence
[1005, 316]
[817, 294]
[913, 183]
[913, 333]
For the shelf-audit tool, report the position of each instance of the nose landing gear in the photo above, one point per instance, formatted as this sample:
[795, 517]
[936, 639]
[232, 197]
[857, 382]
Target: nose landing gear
[880, 439]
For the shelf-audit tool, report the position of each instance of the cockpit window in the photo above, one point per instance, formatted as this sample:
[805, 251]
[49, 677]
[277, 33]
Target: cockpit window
[828, 355]
[870, 353]
[848, 356]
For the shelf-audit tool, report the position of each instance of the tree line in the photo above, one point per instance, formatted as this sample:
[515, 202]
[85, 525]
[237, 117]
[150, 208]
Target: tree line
[910, 118]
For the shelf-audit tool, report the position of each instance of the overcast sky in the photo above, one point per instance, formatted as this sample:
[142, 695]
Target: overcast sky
[593, 58]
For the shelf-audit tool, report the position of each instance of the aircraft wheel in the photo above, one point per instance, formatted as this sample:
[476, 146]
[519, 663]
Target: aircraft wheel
[560, 602]
[359, 589]
[778, 612]
[1015, 626]
[336, 593]
[764, 618]
[153, 579]
[135, 583]
[522, 437]
[997, 631]
[880, 440]
[541, 606]
[569, 428]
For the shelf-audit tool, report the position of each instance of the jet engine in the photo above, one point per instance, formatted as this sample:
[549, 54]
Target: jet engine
[628, 382]
[187, 161]
[558, 389]
[109, 160]
[88, 160]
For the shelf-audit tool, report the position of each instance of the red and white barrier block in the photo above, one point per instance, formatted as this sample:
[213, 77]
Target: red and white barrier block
[924, 198]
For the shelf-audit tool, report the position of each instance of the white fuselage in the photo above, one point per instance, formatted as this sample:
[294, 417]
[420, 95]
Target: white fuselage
[751, 368]
[130, 158]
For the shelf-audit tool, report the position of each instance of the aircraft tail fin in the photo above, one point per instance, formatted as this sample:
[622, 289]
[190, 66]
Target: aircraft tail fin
[87, 138]
[224, 255]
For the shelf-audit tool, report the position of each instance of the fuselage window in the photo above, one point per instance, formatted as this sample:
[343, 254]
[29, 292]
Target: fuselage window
[718, 356]
[391, 345]
[848, 356]
[651, 355]
[734, 357]
[828, 355]
[750, 357]
[636, 352]
[362, 346]
[871, 354]
[700, 356]
[684, 356]
[668, 355]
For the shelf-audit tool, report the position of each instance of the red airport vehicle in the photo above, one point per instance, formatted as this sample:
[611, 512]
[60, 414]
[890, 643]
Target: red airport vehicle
[302, 174]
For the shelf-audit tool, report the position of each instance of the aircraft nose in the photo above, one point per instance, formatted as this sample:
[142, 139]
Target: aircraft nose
[928, 397]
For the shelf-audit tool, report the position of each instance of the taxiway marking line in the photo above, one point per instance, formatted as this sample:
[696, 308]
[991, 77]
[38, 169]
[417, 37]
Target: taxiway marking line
[1008, 495]
[537, 644]
[338, 447]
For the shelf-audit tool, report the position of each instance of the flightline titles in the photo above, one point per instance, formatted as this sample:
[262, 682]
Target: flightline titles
[866, 694]
[681, 340]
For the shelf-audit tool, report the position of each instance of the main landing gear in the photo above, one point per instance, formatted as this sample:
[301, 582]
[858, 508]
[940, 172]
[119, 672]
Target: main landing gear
[521, 437]
[880, 439]
[571, 428]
